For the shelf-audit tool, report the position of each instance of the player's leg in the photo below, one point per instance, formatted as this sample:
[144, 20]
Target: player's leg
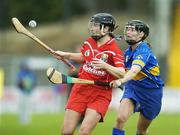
[143, 124]
[91, 118]
[71, 119]
[125, 110]
[150, 108]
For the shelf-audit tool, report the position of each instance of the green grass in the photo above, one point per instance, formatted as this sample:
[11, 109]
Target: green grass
[49, 124]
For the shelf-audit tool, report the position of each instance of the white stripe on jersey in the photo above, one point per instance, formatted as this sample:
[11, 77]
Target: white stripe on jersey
[119, 63]
[120, 55]
[89, 47]
[110, 41]
[117, 58]
[113, 53]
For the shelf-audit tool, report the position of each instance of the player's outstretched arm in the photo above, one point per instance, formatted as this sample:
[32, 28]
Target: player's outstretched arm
[78, 57]
[135, 69]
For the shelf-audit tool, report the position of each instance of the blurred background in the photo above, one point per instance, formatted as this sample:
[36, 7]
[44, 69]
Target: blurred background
[28, 100]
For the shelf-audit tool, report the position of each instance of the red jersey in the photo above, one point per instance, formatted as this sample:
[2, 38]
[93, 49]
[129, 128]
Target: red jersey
[109, 53]
[96, 97]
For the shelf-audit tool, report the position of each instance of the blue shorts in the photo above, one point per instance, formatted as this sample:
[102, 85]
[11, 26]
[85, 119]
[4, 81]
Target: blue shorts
[146, 101]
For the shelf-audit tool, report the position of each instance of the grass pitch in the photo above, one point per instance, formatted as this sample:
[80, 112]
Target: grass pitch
[49, 124]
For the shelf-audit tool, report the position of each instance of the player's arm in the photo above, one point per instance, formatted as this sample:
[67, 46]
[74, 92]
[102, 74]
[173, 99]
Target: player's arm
[115, 71]
[78, 57]
[135, 69]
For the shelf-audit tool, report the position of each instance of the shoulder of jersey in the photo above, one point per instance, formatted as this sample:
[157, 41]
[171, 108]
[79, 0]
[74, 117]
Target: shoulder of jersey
[144, 47]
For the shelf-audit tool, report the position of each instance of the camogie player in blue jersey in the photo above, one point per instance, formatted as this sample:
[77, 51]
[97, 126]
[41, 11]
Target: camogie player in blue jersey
[143, 85]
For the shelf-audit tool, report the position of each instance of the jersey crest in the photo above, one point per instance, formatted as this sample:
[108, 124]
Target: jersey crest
[87, 53]
[139, 57]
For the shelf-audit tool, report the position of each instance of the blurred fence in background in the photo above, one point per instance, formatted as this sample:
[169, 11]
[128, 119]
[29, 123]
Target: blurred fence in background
[52, 99]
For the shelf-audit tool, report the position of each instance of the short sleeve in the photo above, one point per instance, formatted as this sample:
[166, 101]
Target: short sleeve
[118, 59]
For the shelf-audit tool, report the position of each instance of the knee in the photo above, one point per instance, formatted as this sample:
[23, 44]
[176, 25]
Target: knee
[84, 131]
[121, 119]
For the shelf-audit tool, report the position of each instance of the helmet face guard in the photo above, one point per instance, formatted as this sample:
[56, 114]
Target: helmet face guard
[94, 30]
[97, 24]
[139, 26]
[129, 40]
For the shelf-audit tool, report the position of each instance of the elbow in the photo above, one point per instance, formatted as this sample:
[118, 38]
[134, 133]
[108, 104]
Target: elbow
[133, 74]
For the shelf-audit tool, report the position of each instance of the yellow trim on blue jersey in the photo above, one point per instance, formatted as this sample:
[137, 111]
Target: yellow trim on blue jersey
[139, 62]
[139, 76]
[155, 71]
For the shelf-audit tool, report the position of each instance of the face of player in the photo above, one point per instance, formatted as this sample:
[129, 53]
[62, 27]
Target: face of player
[96, 30]
[132, 35]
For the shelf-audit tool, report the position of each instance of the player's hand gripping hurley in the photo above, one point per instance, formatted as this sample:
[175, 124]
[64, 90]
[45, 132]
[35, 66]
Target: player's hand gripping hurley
[21, 29]
[58, 78]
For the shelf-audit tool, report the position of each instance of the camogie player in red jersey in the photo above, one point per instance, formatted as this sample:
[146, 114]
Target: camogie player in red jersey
[102, 60]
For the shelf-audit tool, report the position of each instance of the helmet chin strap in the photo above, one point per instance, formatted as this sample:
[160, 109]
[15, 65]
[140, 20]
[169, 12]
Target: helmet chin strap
[133, 42]
[96, 37]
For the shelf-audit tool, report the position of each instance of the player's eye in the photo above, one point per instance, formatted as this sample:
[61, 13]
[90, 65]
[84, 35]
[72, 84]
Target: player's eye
[93, 24]
[129, 29]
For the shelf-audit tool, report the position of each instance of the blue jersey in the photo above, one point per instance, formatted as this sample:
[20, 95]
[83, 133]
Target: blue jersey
[149, 76]
[145, 90]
